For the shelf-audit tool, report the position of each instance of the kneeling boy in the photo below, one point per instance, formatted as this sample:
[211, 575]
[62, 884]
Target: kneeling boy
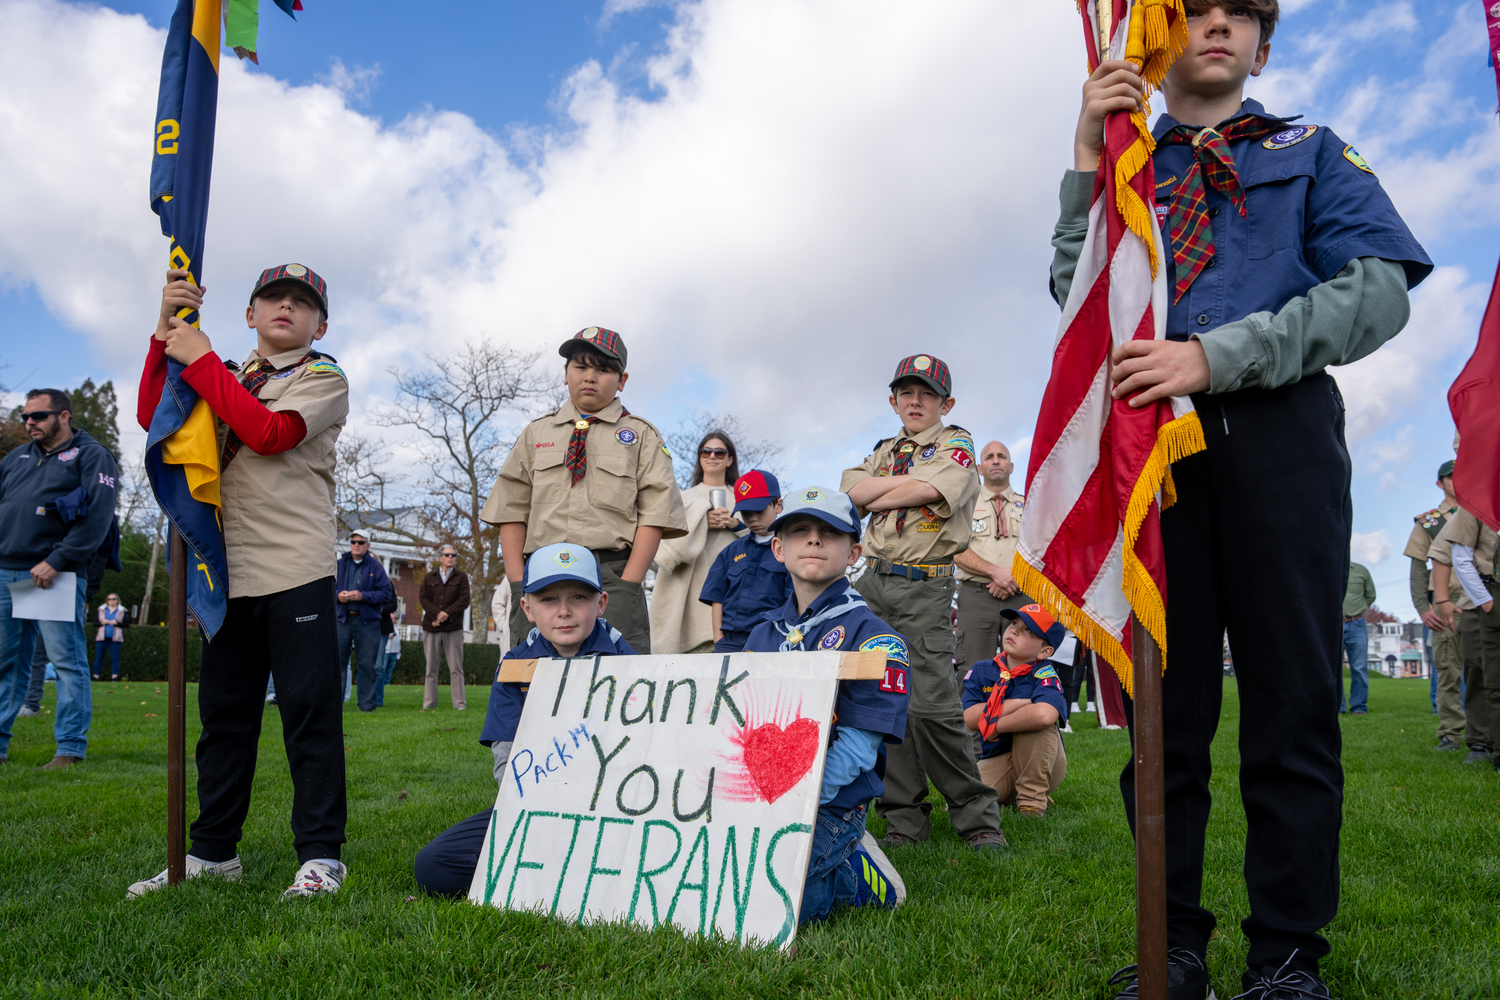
[563, 595]
[817, 538]
[1014, 701]
[747, 582]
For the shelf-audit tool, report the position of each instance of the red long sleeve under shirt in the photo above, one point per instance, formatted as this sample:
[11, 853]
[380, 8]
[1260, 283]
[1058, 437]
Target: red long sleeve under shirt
[261, 430]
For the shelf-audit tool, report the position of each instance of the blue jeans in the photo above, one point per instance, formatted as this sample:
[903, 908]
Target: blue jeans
[65, 648]
[1357, 649]
[38, 675]
[114, 659]
[383, 676]
[830, 879]
[369, 649]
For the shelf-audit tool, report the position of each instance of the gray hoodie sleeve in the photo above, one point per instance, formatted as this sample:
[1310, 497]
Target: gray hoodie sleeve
[1335, 323]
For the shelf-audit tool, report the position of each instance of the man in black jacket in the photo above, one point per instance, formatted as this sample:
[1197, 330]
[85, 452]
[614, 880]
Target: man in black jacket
[57, 501]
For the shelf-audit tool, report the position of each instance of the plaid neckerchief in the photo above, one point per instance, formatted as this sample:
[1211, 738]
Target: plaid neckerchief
[255, 379]
[995, 706]
[906, 452]
[1191, 232]
[577, 459]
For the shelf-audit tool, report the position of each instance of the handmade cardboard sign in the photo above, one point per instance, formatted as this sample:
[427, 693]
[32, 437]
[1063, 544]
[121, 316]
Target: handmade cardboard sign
[666, 789]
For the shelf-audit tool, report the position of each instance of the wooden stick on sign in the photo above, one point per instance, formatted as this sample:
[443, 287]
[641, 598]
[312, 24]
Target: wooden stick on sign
[177, 711]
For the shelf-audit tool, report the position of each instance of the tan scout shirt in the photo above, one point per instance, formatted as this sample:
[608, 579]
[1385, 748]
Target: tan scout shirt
[1428, 525]
[279, 529]
[944, 457]
[994, 535]
[1464, 528]
[627, 482]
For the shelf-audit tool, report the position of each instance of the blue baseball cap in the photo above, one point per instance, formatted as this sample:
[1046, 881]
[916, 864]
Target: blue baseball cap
[562, 561]
[1038, 622]
[756, 490]
[829, 506]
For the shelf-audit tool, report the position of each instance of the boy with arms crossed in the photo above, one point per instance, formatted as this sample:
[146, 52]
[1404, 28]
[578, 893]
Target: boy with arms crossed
[1013, 702]
[608, 488]
[563, 593]
[279, 418]
[747, 581]
[919, 488]
[817, 537]
[1284, 256]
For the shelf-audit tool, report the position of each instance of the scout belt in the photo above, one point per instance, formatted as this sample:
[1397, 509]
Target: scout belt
[912, 571]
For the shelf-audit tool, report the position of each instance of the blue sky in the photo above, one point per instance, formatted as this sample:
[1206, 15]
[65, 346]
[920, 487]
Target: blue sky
[773, 202]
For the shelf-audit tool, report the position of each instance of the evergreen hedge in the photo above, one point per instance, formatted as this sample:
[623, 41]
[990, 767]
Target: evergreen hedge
[143, 657]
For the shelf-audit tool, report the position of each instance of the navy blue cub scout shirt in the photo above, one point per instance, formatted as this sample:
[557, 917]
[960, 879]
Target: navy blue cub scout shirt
[875, 706]
[749, 581]
[507, 700]
[1312, 205]
[1041, 685]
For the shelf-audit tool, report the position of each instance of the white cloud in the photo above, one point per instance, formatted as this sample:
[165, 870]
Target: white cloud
[1369, 549]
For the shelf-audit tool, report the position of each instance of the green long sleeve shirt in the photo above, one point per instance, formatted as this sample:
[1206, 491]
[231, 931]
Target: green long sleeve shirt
[1361, 592]
[1335, 323]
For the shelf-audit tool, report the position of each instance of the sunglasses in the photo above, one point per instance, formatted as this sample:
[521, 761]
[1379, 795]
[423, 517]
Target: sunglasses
[713, 452]
[38, 416]
[448, 555]
[358, 541]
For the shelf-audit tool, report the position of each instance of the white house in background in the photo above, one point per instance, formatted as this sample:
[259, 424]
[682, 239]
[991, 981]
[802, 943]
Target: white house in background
[1397, 650]
[406, 564]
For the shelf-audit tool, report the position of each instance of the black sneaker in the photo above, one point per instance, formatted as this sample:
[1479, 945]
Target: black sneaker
[1282, 984]
[1480, 755]
[1187, 978]
[1447, 743]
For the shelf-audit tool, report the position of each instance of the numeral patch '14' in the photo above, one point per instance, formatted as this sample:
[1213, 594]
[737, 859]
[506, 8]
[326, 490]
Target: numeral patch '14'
[895, 680]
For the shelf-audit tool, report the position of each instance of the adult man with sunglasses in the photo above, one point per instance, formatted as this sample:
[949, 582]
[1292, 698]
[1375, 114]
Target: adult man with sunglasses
[361, 587]
[57, 499]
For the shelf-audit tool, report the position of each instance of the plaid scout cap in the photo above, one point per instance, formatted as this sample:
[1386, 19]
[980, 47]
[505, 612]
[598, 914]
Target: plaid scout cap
[293, 272]
[1038, 622]
[606, 342]
[756, 490]
[926, 369]
[1446, 469]
[560, 561]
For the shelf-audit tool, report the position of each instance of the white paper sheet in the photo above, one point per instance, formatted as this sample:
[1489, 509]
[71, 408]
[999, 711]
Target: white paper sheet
[55, 604]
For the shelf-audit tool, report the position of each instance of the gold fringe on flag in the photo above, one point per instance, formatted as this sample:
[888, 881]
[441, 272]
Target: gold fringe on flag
[1154, 43]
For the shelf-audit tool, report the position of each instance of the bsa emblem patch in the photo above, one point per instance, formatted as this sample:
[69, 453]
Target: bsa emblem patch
[813, 496]
[68, 455]
[922, 363]
[565, 558]
[296, 270]
[1352, 155]
[625, 435]
[1290, 137]
[929, 451]
[979, 526]
[590, 333]
[832, 639]
[744, 487]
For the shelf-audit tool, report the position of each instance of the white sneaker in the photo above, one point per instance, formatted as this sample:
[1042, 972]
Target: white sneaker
[315, 878]
[24, 712]
[1067, 727]
[1076, 707]
[1109, 727]
[1090, 708]
[230, 871]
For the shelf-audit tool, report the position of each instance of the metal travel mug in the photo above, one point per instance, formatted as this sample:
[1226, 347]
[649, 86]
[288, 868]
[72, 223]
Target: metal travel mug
[718, 498]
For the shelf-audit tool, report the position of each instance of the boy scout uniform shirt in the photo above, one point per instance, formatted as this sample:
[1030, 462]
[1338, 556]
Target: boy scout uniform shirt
[279, 530]
[1464, 528]
[1426, 528]
[749, 581]
[875, 706]
[507, 699]
[1042, 686]
[628, 482]
[994, 535]
[942, 456]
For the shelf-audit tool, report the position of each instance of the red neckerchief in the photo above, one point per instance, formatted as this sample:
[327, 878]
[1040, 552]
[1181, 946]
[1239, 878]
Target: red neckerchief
[995, 707]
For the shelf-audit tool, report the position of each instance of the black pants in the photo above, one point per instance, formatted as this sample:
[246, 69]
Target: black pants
[445, 867]
[1258, 545]
[289, 635]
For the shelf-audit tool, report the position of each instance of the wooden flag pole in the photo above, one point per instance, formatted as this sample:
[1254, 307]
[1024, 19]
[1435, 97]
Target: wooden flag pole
[177, 711]
[1150, 817]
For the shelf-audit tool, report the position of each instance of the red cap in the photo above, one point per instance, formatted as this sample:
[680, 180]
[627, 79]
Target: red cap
[756, 490]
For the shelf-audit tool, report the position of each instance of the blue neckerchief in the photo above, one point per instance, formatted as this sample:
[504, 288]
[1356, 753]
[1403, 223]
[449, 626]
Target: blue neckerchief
[601, 640]
[794, 632]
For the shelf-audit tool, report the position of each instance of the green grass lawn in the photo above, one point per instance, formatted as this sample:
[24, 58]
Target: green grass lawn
[1052, 917]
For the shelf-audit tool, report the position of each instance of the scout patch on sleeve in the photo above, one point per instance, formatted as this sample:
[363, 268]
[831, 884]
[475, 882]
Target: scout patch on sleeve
[964, 458]
[895, 681]
[1352, 155]
[327, 366]
[893, 646]
[1045, 671]
[929, 451]
[1290, 137]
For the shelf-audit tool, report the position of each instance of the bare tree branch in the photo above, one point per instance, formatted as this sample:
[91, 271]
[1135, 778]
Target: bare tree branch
[752, 452]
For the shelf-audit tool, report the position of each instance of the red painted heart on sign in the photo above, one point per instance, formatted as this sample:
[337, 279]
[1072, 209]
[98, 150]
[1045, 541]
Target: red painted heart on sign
[778, 758]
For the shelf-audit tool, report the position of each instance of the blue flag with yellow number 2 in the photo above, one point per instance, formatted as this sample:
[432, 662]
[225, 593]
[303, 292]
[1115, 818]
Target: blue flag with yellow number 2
[182, 447]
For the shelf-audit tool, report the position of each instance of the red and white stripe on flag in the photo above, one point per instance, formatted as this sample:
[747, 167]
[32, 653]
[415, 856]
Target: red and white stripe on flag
[1090, 547]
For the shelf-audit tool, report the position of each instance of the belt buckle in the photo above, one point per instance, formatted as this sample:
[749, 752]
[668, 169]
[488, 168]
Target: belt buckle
[884, 567]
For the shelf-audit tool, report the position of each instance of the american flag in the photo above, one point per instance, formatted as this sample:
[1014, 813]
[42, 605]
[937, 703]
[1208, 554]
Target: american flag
[1090, 548]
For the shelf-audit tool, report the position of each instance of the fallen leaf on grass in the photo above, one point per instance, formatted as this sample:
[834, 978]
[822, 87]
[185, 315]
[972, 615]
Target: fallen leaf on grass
[450, 729]
[151, 715]
[403, 794]
[411, 899]
[143, 703]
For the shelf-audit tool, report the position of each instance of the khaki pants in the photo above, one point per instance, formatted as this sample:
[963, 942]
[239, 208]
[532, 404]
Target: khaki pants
[1449, 660]
[450, 645]
[1479, 638]
[1031, 772]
